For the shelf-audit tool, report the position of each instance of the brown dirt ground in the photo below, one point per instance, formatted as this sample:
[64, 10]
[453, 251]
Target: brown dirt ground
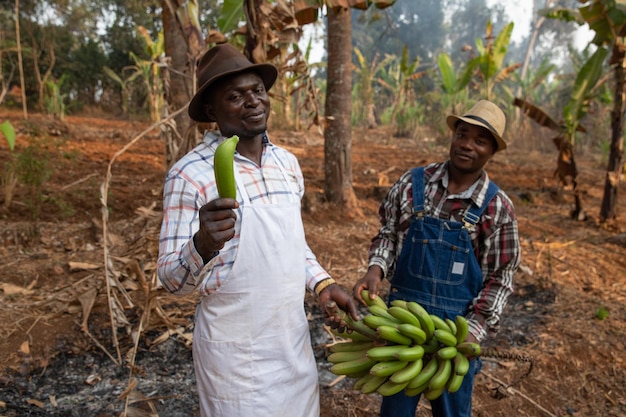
[53, 303]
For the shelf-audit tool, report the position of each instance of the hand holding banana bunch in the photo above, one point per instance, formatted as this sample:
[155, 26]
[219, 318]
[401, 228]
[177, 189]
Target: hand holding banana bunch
[403, 347]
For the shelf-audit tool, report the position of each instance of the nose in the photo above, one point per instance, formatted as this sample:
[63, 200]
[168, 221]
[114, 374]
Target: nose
[252, 100]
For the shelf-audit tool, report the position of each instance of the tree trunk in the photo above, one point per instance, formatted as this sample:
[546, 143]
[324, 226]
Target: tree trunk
[19, 58]
[338, 131]
[183, 45]
[614, 169]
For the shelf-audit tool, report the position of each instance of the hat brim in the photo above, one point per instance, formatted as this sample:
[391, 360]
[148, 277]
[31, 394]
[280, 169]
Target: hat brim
[452, 121]
[267, 72]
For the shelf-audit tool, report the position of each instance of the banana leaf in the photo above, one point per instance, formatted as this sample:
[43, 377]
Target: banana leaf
[586, 80]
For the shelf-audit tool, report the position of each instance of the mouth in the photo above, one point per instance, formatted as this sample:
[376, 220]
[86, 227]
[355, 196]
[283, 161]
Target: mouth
[255, 117]
[463, 156]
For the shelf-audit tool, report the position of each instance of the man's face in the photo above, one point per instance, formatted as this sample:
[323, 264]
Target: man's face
[471, 147]
[239, 104]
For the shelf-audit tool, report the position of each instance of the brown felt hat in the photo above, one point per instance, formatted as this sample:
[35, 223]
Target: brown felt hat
[220, 61]
[485, 114]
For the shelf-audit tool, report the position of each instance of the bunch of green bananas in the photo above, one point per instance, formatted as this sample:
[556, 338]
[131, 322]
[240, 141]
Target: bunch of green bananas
[403, 347]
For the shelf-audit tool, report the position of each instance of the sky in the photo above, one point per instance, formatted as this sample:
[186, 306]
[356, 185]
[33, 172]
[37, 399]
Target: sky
[518, 11]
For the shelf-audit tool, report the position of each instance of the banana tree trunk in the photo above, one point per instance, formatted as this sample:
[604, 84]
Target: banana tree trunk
[614, 169]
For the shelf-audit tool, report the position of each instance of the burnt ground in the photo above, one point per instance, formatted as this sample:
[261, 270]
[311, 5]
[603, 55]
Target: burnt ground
[59, 356]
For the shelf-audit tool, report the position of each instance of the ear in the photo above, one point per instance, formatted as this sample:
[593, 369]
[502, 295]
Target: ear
[208, 110]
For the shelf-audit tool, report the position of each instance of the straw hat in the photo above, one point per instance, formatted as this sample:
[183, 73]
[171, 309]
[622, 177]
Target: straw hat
[485, 114]
[220, 61]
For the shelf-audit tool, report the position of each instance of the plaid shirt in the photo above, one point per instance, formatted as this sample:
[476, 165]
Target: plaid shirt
[495, 238]
[190, 184]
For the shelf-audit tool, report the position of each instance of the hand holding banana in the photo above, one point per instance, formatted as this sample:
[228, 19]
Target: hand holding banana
[402, 347]
[217, 217]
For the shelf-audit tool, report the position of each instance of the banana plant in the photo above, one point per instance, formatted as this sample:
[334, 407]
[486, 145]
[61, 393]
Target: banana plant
[453, 83]
[490, 59]
[607, 19]
[588, 80]
[124, 83]
[364, 86]
[398, 79]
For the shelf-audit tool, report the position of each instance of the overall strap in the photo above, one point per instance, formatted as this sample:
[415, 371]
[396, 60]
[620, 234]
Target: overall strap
[417, 180]
[472, 214]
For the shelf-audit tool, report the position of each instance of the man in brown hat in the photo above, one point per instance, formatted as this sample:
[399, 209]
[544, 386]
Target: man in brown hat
[247, 257]
[449, 241]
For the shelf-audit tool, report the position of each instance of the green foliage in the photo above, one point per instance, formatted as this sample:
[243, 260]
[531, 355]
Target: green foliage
[33, 170]
[601, 313]
[490, 59]
[54, 100]
[232, 14]
[7, 130]
[583, 91]
[8, 177]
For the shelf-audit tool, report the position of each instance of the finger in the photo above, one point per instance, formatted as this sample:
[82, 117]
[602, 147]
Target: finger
[356, 292]
[351, 308]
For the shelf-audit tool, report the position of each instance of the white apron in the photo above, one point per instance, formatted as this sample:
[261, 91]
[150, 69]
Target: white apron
[252, 349]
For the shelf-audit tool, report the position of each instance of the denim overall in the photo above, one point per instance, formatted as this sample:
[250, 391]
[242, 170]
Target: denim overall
[438, 269]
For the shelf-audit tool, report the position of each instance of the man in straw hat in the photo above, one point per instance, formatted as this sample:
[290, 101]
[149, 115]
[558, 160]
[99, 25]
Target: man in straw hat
[247, 257]
[449, 241]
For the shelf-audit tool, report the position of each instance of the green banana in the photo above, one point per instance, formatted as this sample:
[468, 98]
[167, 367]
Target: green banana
[445, 337]
[416, 333]
[392, 334]
[451, 324]
[387, 368]
[404, 315]
[432, 394]
[408, 372]
[424, 318]
[444, 369]
[391, 388]
[440, 323]
[382, 312]
[448, 352]
[338, 357]
[469, 348]
[398, 303]
[361, 381]
[365, 294]
[462, 329]
[412, 392]
[350, 346]
[454, 383]
[352, 367]
[356, 325]
[352, 337]
[375, 322]
[425, 374]
[224, 169]
[460, 364]
[431, 346]
[412, 353]
[373, 383]
[385, 353]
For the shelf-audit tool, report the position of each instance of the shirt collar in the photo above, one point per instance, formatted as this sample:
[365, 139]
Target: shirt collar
[476, 192]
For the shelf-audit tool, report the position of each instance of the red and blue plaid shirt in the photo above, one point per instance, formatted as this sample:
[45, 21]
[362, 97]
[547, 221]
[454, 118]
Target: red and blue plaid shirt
[495, 238]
